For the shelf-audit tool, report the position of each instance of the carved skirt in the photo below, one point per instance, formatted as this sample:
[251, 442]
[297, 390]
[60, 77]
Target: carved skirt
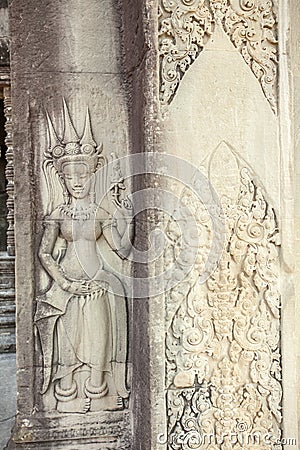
[84, 335]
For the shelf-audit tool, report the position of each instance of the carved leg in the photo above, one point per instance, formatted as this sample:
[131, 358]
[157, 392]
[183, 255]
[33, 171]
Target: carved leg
[97, 377]
[66, 395]
[66, 382]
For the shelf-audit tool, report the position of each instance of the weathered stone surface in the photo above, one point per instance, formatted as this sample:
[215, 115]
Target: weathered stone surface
[8, 394]
[295, 66]
[4, 35]
[7, 304]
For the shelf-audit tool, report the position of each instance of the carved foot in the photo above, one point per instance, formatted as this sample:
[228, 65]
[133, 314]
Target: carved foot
[78, 405]
[108, 403]
[68, 402]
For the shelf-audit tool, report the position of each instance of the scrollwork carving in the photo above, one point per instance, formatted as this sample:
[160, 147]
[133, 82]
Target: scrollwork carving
[185, 27]
[252, 27]
[223, 338]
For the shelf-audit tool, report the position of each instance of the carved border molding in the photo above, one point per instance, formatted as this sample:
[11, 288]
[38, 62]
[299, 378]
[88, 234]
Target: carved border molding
[223, 363]
[7, 261]
[9, 172]
[109, 430]
[185, 26]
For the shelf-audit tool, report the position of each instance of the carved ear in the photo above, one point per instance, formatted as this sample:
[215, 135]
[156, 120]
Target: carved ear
[70, 134]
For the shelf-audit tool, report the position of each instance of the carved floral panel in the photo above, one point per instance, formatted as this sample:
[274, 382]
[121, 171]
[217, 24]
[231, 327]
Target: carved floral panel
[223, 376]
[186, 25]
[184, 29]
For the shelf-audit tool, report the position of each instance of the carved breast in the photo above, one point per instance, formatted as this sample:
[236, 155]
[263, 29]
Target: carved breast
[76, 229]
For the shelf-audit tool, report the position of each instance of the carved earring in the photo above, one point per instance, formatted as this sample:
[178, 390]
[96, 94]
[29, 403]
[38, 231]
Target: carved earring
[92, 193]
[66, 194]
[66, 197]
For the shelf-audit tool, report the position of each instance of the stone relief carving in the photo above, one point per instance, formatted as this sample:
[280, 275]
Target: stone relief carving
[185, 27]
[252, 28]
[223, 375]
[81, 319]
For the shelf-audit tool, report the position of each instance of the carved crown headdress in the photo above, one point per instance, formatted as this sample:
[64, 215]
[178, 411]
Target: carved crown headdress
[71, 148]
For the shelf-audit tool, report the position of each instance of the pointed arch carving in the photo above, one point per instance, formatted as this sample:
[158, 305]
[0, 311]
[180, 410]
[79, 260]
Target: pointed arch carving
[223, 363]
[185, 27]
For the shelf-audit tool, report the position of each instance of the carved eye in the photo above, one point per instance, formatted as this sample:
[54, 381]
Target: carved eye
[87, 149]
[58, 151]
[72, 148]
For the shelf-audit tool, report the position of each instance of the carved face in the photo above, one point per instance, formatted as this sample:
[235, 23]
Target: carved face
[77, 178]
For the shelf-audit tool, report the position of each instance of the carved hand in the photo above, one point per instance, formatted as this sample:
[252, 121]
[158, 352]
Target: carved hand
[77, 287]
[80, 287]
[125, 212]
[123, 218]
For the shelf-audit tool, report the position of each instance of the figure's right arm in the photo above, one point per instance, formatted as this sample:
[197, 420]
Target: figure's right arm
[48, 241]
[51, 233]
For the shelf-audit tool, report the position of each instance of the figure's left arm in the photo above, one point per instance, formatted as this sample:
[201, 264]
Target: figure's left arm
[118, 231]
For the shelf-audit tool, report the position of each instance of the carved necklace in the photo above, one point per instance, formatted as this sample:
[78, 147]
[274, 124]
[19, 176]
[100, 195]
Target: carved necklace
[79, 212]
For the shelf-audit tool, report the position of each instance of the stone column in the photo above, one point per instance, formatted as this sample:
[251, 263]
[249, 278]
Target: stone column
[7, 262]
[70, 121]
[295, 17]
[225, 330]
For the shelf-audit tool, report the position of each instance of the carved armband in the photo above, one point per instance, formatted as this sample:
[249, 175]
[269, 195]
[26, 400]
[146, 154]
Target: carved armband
[109, 223]
[50, 223]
